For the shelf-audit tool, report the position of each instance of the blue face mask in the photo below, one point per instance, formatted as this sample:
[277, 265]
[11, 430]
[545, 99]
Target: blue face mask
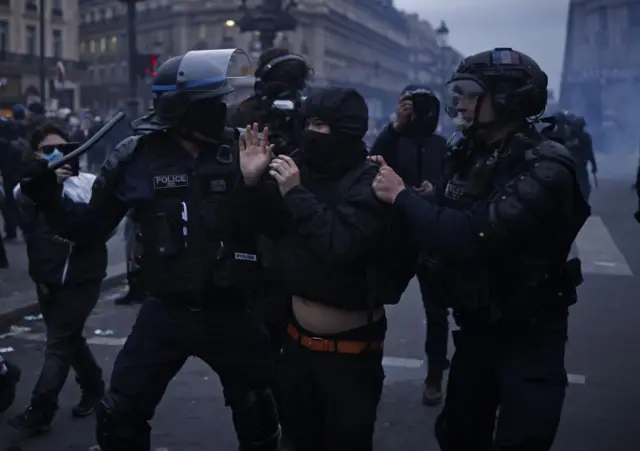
[53, 156]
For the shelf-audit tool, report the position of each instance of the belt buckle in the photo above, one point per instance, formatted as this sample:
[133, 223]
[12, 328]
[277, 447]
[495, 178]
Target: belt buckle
[326, 341]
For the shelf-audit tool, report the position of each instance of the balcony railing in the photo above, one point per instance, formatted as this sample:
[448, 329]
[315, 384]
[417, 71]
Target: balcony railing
[34, 60]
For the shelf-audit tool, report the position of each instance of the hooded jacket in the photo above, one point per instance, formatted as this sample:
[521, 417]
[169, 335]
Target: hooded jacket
[329, 230]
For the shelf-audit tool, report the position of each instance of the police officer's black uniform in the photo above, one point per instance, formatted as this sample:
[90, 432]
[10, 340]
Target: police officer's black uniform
[199, 250]
[569, 130]
[500, 232]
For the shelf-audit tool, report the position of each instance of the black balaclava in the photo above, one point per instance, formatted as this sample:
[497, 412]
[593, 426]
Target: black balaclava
[206, 117]
[345, 112]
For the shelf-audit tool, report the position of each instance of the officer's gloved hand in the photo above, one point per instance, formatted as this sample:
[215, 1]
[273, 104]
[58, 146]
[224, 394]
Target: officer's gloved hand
[39, 183]
[637, 216]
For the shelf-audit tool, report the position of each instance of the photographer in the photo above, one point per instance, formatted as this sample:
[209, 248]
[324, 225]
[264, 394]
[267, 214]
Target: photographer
[410, 146]
[67, 277]
[280, 78]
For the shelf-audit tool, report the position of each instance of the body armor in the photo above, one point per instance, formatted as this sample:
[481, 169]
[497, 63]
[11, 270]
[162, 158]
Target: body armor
[513, 283]
[191, 241]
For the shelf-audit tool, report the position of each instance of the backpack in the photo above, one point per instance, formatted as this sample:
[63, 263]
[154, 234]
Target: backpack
[394, 261]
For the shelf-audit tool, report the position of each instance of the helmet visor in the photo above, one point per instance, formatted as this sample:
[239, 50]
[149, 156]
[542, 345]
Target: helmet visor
[214, 70]
[462, 97]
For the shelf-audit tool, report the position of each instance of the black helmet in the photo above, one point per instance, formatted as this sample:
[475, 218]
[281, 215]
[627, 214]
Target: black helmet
[195, 76]
[517, 85]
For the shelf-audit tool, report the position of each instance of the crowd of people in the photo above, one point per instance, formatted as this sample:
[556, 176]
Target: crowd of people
[276, 268]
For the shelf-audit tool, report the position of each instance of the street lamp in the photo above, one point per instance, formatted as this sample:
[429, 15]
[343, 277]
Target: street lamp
[268, 19]
[230, 23]
[442, 39]
[132, 102]
[43, 69]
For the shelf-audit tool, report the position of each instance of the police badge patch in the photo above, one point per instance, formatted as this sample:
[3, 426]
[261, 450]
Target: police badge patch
[170, 181]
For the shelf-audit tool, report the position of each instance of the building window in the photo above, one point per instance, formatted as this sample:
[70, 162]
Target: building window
[31, 40]
[114, 44]
[56, 8]
[83, 47]
[30, 5]
[92, 46]
[4, 36]
[57, 44]
[103, 45]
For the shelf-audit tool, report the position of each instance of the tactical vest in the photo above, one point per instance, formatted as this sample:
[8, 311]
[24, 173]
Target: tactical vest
[192, 242]
[510, 284]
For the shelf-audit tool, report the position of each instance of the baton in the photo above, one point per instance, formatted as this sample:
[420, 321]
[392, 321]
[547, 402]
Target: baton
[89, 144]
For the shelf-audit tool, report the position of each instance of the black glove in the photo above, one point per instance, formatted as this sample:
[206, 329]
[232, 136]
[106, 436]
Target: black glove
[637, 216]
[39, 183]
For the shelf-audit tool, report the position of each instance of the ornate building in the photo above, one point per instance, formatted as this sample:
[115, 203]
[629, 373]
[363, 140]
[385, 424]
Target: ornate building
[20, 30]
[602, 69]
[364, 44]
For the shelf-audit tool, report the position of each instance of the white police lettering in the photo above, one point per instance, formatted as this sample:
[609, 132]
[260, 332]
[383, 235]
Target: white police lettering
[170, 181]
[245, 257]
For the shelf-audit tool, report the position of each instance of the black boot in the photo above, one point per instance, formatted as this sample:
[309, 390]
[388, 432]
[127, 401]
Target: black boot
[34, 420]
[88, 403]
[9, 378]
[135, 293]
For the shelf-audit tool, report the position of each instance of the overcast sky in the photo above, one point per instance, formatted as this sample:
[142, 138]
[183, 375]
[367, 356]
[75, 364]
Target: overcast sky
[535, 27]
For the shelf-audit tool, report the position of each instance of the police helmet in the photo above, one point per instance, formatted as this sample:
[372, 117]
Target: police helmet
[193, 77]
[515, 82]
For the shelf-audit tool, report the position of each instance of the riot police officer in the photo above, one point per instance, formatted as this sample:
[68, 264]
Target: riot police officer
[569, 130]
[505, 214]
[189, 187]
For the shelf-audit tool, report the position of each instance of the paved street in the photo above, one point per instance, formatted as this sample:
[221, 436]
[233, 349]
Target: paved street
[603, 404]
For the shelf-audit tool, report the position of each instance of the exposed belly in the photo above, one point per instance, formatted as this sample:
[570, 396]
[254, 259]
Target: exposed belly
[325, 320]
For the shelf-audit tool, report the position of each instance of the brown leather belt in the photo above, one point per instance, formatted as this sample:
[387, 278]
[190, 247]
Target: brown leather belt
[319, 344]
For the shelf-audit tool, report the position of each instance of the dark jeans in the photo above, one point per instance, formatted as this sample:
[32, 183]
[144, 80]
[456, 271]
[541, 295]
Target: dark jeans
[520, 372]
[10, 211]
[164, 336]
[437, 339]
[330, 400]
[65, 309]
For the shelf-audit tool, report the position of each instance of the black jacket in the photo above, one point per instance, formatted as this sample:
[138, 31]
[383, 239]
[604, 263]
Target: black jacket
[323, 251]
[55, 260]
[414, 159]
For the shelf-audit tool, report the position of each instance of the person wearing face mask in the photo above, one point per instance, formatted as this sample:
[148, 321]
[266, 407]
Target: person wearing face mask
[331, 223]
[499, 233]
[192, 192]
[67, 277]
[410, 145]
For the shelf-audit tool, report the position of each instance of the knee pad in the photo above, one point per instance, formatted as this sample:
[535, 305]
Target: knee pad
[119, 428]
[255, 418]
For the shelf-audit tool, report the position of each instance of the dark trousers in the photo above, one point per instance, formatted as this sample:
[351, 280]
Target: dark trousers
[10, 211]
[437, 339]
[65, 309]
[3, 252]
[522, 373]
[330, 400]
[163, 337]
[582, 174]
